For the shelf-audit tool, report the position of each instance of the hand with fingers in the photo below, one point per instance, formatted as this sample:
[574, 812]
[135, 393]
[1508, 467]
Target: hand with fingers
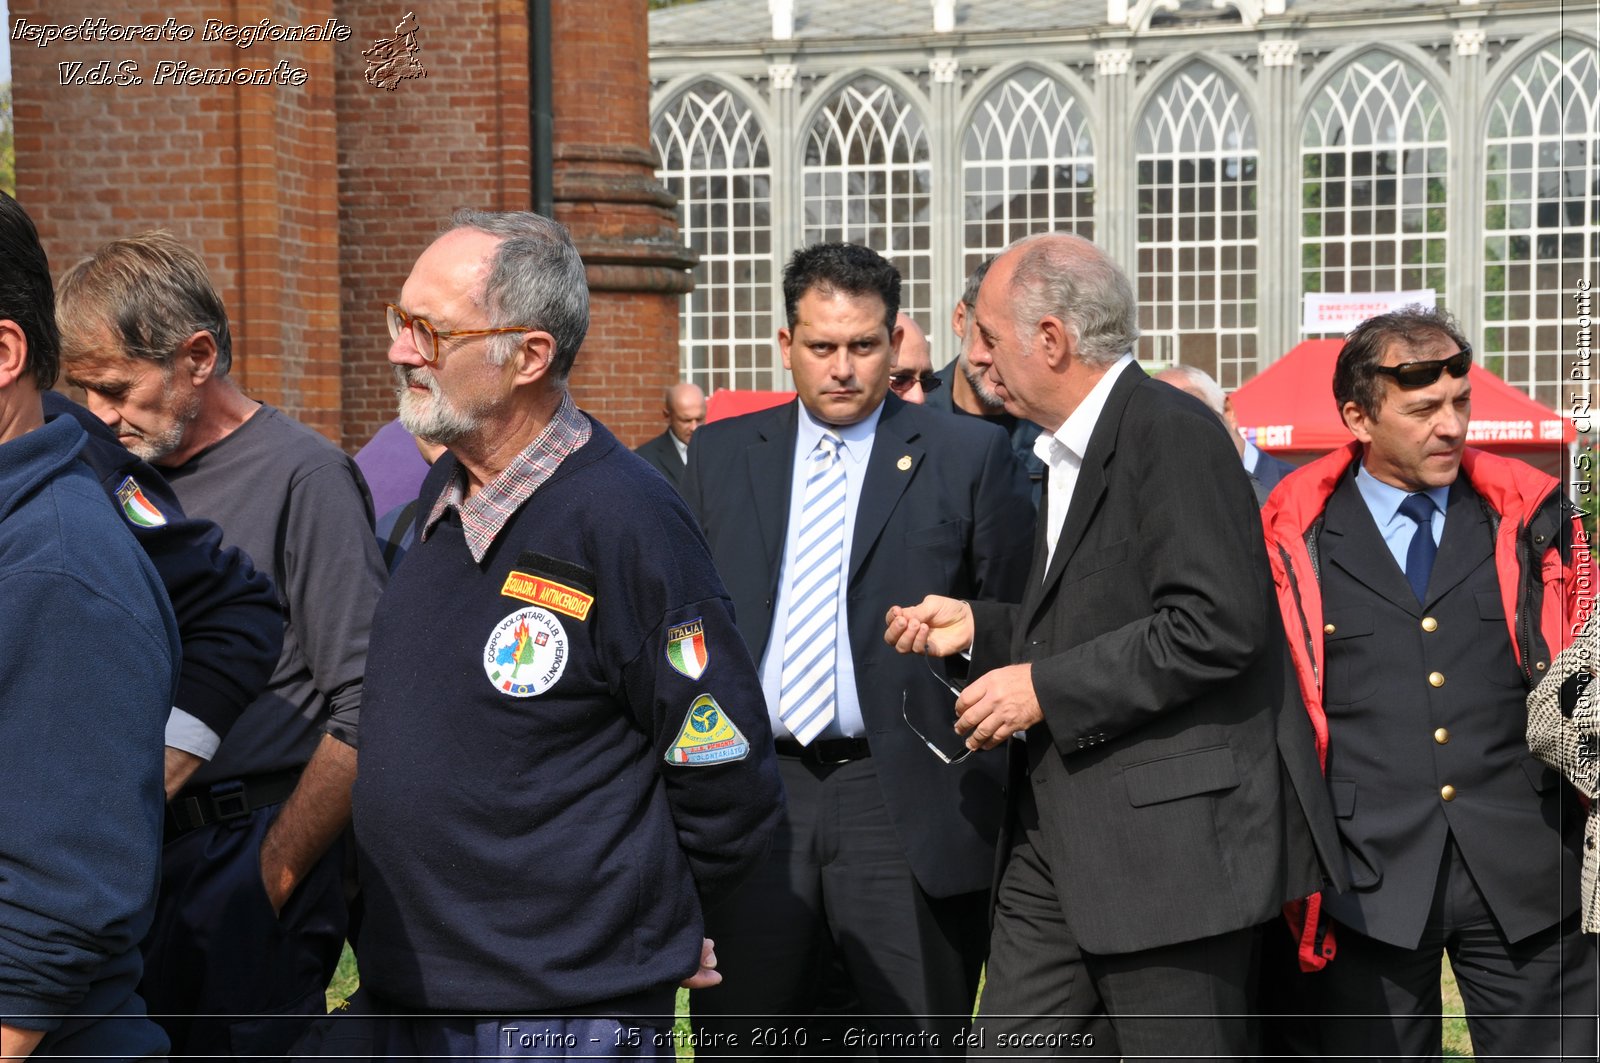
[997, 705]
[937, 626]
[708, 975]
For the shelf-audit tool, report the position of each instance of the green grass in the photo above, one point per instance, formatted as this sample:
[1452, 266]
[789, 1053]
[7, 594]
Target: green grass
[1457, 1043]
[344, 979]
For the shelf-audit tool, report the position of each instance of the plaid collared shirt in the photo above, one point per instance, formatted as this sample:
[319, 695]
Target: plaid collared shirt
[486, 513]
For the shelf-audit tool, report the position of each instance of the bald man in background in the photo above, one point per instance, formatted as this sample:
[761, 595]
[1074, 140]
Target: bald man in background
[684, 407]
[912, 376]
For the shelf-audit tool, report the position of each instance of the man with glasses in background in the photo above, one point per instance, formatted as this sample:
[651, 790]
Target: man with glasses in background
[1425, 587]
[911, 376]
[820, 513]
[252, 916]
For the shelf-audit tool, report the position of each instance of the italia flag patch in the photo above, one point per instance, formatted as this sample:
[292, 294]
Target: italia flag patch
[139, 510]
[686, 648]
[707, 737]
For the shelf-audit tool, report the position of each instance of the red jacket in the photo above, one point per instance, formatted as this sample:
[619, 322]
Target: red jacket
[1542, 559]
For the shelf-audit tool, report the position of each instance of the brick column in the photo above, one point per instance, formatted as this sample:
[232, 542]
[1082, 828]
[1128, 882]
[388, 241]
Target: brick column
[621, 217]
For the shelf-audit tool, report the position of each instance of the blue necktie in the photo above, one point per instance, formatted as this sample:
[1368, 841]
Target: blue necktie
[806, 701]
[1422, 551]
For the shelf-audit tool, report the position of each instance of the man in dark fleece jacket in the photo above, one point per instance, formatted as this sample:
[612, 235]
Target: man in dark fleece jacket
[227, 610]
[87, 676]
[567, 753]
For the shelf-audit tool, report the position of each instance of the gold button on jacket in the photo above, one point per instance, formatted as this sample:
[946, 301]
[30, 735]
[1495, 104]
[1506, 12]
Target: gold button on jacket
[1436, 679]
[1447, 792]
[1441, 736]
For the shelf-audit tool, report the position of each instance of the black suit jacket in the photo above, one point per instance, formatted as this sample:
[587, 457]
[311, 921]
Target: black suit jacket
[944, 509]
[1164, 806]
[660, 453]
[1269, 470]
[1517, 827]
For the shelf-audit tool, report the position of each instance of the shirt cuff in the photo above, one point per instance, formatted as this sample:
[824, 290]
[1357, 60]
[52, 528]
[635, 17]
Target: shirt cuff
[187, 733]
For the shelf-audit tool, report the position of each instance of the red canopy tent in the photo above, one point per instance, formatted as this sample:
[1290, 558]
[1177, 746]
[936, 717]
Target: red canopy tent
[1288, 409]
[726, 402]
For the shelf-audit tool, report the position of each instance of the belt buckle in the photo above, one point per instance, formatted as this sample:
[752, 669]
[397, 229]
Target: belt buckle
[229, 801]
[833, 762]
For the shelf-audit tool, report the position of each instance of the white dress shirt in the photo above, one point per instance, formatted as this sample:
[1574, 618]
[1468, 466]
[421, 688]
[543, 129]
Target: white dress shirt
[1062, 451]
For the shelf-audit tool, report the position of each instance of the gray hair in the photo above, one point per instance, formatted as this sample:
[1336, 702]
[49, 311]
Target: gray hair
[1066, 276]
[969, 294]
[535, 279]
[1201, 386]
[151, 292]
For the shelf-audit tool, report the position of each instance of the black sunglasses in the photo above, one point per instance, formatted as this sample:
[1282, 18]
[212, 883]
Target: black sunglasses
[903, 380]
[1421, 374]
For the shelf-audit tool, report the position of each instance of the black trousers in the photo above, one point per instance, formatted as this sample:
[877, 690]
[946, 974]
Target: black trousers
[1045, 996]
[831, 946]
[225, 977]
[1530, 999]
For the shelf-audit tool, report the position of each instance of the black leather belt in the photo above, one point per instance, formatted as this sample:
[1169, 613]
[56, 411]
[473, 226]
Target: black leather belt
[196, 807]
[825, 751]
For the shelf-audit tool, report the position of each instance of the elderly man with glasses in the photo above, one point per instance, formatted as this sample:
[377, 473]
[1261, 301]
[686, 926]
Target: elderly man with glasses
[251, 916]
[565, 760]
[1425, 587]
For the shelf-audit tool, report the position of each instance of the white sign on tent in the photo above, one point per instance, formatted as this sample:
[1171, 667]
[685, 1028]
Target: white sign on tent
[1342, 311]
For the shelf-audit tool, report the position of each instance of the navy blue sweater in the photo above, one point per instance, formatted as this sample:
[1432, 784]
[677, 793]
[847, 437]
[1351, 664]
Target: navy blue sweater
[565, 751]
[227, 610]
[88, 664]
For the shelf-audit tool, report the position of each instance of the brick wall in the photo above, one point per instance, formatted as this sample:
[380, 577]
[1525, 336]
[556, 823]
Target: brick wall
[242, 173]
[310, 202]
[456, 138]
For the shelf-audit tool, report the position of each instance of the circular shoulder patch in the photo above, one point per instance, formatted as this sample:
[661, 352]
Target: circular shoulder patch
[526, 653]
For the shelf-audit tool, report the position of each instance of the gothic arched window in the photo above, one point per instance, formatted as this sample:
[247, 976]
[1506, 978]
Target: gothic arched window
[866, 180]
[1027, 164]
[1373, 153]
[713, 156]
[1195, 155]
[1542, 214]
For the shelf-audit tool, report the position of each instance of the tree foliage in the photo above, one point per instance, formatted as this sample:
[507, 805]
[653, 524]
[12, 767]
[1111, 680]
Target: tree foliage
[8, 162]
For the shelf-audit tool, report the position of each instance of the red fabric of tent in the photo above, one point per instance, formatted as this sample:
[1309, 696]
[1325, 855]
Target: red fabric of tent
[1288, 408]
[726, 402]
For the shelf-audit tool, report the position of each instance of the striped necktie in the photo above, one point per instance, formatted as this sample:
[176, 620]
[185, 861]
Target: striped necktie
[806, 702]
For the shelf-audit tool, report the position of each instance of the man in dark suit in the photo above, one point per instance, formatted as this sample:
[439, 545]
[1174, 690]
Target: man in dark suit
[1426, 586]
[1268, 470]
[1144, 665]
[820, 513]
[684, 407]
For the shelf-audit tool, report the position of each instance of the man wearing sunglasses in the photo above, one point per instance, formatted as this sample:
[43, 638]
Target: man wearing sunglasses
[911, 375]
[1425, 586]
[252, 863]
